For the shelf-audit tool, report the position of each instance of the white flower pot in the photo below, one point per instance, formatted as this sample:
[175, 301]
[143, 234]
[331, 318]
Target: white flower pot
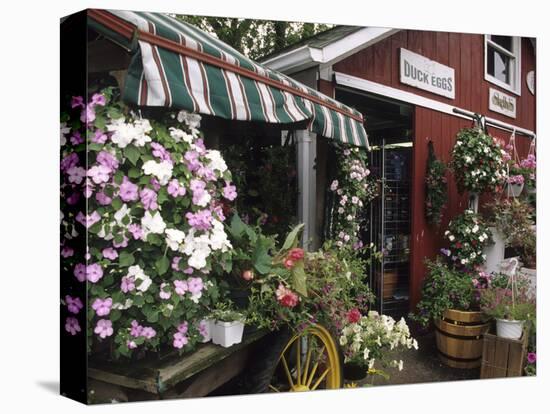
[514, 190]
[494, 252]
[209, 323]
[509, 329]
[227, 333]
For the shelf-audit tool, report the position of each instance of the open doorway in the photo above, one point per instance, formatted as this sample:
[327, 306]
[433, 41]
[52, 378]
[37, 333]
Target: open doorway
[389, 124]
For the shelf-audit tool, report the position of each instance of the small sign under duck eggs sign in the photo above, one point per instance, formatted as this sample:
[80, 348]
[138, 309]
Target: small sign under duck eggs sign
[423, 73]
[502, 103]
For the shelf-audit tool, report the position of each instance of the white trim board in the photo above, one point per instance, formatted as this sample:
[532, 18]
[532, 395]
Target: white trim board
[411, 98]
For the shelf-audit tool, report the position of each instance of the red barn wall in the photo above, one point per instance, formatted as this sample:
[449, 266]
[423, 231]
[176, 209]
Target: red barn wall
[465, 53]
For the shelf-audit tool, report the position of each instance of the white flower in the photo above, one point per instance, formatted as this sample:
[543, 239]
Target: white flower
[127, 304]
[334, 185]
[467, 159]
[366, 353]
[162, 170]
[475, 229]
[139, 275]
[400, 365]
[204, 199]
[120, 214]
[217, 163]
[123, 133]
[349, 217]
[178, 135]
[341, 210]
[141, 128]
[451, 237]
[64, 130]
[152, 223]
[174, 238]
[192, 120]
[343, 340]
[218, 238]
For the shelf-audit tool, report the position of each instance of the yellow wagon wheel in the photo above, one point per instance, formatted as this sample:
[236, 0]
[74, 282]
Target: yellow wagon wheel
[309, 361]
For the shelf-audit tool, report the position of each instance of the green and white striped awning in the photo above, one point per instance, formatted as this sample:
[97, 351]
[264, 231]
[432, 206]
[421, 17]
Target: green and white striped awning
[177, 65]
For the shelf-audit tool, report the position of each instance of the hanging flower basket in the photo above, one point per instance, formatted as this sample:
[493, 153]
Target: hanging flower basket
[509, 329]
[514, 189]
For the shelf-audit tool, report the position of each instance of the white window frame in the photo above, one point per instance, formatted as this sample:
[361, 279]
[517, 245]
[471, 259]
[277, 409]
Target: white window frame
[515, 75]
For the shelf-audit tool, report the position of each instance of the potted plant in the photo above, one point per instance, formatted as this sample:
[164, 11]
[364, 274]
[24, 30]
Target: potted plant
[228, 326]
[508, 301]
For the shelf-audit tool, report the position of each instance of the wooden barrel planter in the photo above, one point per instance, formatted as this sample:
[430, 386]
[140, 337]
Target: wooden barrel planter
[459, 338]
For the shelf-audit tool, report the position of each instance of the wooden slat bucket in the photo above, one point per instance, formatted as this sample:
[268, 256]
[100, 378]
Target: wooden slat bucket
[459, 338]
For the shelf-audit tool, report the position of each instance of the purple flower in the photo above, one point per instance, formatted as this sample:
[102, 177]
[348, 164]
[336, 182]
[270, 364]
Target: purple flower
[175, 189]
[148, 199]
[155, 183]
[99, 137]
[107, 160]
[218, 210]
[163, 294]
[160, 152]
[131, 345]
[127, 284]
[201, 220]
[206, 173]
[136, 329]
[229, 191]
[98, 99]
[73, 304]
[77, 101]
[181, 287]
[67, 251]
[103, 198]
[183, 327]
[445, 252]
[192, 160]
[136, 231]
[199, 144]
[195, 285]
[94, 272]
[76, 174]
[69, 161]
[104, 328]
[110, 253]
[72, 326]
[180, 340]
[176, 263]
[204, 328]
[76, 138]
[73, 198]
[99, 174]
[102, 307]
[128, 191]
[531, 357]
[88, 220]
[189, 271]
[122, 244]
[80, 272]
[148, 332]
[88, 114]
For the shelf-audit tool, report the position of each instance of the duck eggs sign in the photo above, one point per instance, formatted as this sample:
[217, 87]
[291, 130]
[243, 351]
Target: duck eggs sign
[423, 73]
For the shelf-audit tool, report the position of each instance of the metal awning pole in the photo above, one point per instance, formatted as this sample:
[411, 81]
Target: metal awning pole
[494, 123]
[306, 150]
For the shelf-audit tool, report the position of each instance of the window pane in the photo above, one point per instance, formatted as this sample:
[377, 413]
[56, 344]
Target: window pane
[504, 41]
[498, 65]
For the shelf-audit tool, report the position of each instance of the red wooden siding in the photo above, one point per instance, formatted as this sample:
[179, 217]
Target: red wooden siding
[465, 53]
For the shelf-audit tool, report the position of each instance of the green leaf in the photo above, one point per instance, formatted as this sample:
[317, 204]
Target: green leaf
[134, 173]
[237, 227]
[132, 153]
[261, 260]
[126, 259]
[299, 278]
[292, 238]
[95, 146]
[100, 122]
[162, 265]
[115, 315]
[162, 195]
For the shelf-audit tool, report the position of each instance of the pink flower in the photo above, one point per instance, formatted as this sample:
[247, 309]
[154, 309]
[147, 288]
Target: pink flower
[136, 231]
[176, 263]
[181, 287]
[103, 198]
[160, 152]
[77, 101]
[76, 174]
[136, 329]
[148, 199]
[164, 294]
[296, 254]
[531, 357]
[80, 272]
[104, 328]
[69, 161]
[110, 253]
[123, 243]
[127, 284]
[128, 191]
[98, 99]
[286, 297]
[72, 326]
[87, 115]
[229, 192]
[88, 188]
[107, 160]
[180, 340]
[155, 183]
[195, 285]
[102, 307]
[183, 327]
[148, 332]
[67, 251]
[289, 263]
[131, 345]
[99, 137]
[201, 220]
[353, 315]
[94, 272]
[76, 138]
[204, 328]
[175, 189]
[99, 174]
[88, 220]
[73, 304]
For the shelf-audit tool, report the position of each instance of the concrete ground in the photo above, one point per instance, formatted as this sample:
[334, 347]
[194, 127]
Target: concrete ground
[420, 366]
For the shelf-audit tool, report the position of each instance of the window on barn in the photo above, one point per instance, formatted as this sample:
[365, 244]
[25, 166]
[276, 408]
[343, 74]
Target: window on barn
[502, 62]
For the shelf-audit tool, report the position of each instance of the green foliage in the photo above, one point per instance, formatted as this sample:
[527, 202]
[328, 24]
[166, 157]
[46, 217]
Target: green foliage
[509, 298]
[436, 188]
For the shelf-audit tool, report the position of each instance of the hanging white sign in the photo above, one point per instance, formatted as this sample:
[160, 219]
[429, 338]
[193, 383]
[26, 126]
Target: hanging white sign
[502, 103]
[423, 73]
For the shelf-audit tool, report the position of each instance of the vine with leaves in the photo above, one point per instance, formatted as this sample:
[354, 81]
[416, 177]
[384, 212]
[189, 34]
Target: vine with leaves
[436, 187]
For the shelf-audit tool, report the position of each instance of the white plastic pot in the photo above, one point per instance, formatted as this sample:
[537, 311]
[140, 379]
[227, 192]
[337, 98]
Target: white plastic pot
[227, 333]
[494, 252]
[208, 324]
[509, 329]
[514, 190]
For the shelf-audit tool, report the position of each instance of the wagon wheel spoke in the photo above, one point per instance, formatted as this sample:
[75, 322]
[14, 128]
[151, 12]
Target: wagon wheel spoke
[321, 378]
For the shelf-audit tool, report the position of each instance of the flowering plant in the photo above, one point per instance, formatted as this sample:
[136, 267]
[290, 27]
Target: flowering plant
[508, 299]
[351, 191]
[145, 197]
[519, 172]
[477, 161]
[436, 188]
[467, 236]
[369, 338]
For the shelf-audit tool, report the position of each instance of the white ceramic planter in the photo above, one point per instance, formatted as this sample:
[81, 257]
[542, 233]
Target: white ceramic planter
[206, 325]
[514, 190]
[509, 329]
[227, 333]
[494, 252]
